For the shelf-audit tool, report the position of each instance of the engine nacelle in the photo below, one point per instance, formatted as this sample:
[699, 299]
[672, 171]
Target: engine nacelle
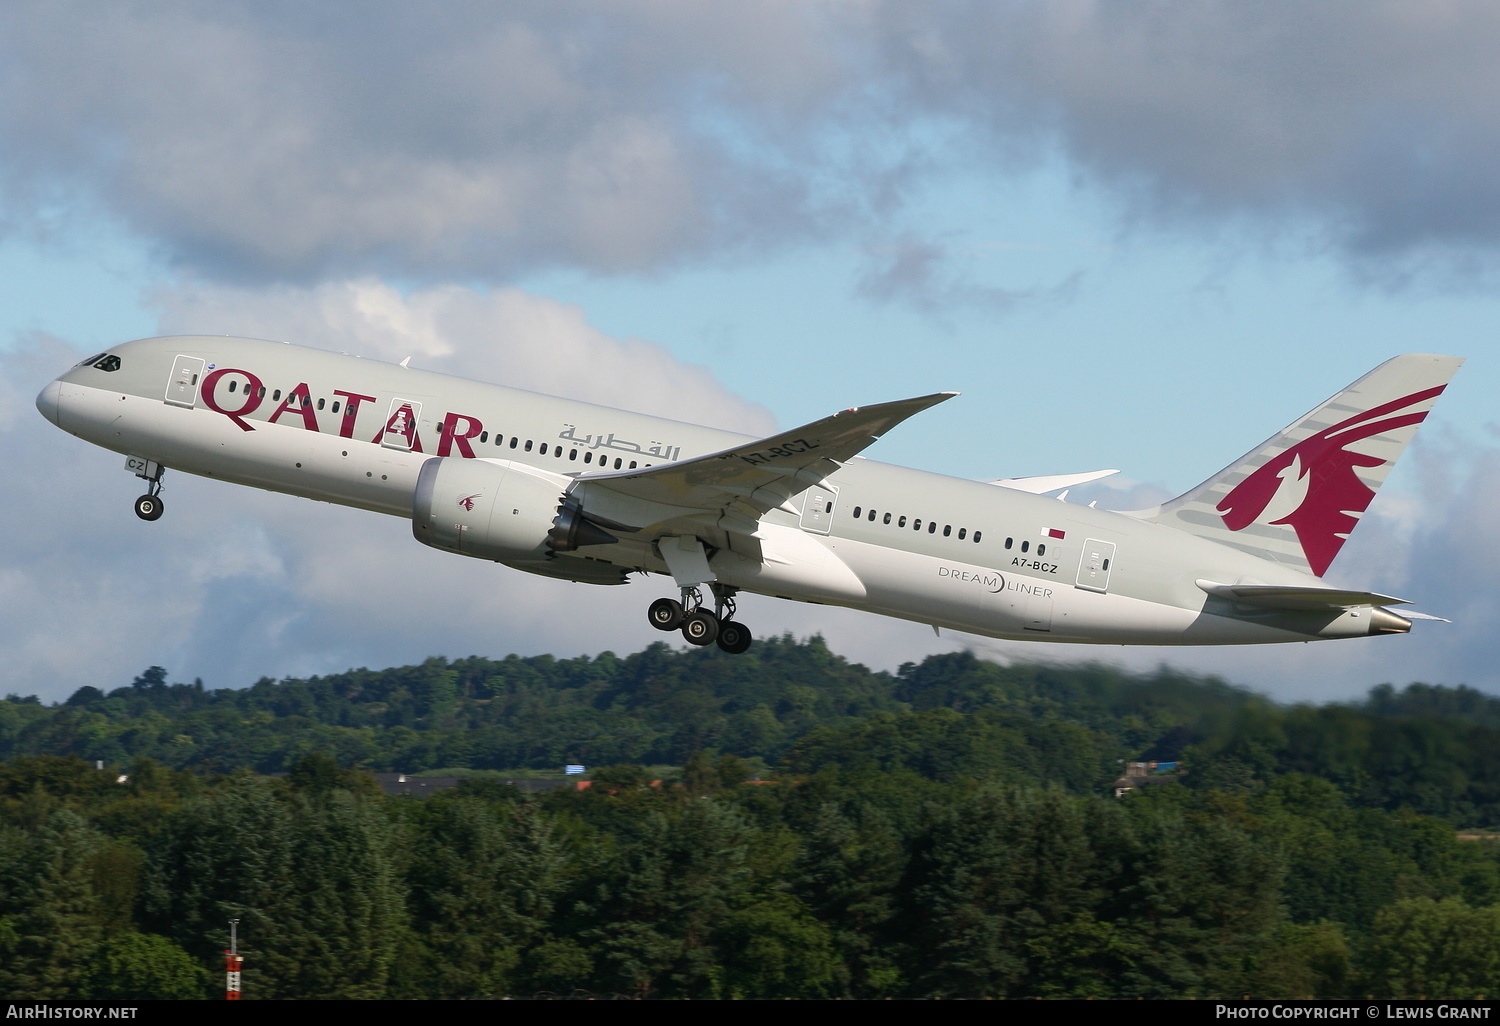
[492, 509]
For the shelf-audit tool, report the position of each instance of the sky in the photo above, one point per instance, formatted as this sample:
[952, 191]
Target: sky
[1097, 221]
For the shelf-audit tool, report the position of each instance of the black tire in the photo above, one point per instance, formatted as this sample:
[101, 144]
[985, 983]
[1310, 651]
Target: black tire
[734, 637]
[148, 507]
[700, 628]
[665, 614]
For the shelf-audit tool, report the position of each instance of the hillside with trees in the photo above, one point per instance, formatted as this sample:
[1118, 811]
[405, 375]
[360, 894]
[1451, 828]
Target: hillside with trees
[782, 824]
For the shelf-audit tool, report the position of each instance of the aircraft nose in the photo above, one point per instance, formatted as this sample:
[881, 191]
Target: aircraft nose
[47, 401]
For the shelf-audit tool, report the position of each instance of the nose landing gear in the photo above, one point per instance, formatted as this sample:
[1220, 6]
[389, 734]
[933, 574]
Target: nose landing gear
[697, 624]
[148, 506]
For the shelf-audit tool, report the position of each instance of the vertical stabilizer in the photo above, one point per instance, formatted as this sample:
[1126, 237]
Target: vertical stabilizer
[1295, 497]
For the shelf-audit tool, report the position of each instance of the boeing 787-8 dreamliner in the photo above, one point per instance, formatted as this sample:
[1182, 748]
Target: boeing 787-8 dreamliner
[587, 493]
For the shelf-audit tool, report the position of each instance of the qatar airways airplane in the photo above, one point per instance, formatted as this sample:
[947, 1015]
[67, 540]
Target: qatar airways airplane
[587, 493]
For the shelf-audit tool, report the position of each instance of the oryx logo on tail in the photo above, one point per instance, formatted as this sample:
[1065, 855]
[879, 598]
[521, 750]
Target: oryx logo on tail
[1313, 486]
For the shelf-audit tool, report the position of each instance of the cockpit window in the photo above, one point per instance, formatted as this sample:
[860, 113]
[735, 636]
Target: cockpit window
[110, 362]
[96, 357]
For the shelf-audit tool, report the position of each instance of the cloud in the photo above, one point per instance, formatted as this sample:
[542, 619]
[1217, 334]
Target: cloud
[260, 141]
[503, 335]
[274, 141]
[919, 271]
[1368, 126]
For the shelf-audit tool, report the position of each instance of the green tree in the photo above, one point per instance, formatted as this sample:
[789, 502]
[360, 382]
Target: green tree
[1434, 949]
[143, 966]
[51, 919]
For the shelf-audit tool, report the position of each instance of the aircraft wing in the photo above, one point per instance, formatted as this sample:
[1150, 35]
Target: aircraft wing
[748, 479]
[1270, 596]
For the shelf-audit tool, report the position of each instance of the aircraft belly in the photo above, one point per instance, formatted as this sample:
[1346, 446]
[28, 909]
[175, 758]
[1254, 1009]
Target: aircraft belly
[793, 564]
[998, 604]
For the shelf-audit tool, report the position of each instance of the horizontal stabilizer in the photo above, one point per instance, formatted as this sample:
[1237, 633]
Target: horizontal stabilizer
[1273, 596]
[1050, 482]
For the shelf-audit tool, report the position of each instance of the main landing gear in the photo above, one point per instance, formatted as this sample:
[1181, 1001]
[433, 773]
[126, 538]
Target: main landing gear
[148, 506]
[697, 624]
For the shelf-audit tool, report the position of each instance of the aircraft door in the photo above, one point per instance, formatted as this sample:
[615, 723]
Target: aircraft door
[182, 386]
[1093, 567]
[817, 509]
[400, 431]
[1038, 611]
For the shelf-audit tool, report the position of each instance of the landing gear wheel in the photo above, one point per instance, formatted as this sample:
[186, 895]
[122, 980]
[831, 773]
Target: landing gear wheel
[734, 638]
[148, 507]
[665, 614]
[700, 628]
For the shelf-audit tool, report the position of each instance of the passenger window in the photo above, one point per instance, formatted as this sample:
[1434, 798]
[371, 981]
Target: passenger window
[886, 519]
[233, 385]
[572, 454]
[528, 445]
[1025, 546]
[588, 457]
[976, 537]
[872, 516]
[1008, 541]
[1105, 566]
[617, 463]
[1041, 548]
[306, 401]
[632, 464]
[932, 527]
[947, 530]
[857, 512]
[901, 522]
[335, 407]
[557, 451]
[961, 532]
[320, 404]
[484, 436]
[276, 396]
[542, 448]
[916, 525]
[262, 392]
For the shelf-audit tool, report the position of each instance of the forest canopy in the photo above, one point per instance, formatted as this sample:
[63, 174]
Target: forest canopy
[781, 824]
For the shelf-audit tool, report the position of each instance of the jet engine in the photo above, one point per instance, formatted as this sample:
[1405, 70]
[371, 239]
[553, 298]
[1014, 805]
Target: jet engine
[495, 509]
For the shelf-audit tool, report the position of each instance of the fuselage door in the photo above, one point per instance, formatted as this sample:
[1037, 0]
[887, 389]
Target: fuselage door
[400, 431]
[817, 509]
[1093, 567]
[1038, 610]
[182, 386]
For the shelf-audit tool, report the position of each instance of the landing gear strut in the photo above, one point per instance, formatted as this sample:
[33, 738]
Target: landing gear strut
[148, 506]
[697, 624]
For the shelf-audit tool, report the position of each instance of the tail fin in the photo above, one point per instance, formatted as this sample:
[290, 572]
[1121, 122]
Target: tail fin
[1295, 497]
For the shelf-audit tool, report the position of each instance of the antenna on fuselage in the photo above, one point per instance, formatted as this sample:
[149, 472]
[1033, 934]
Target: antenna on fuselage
[406, 361]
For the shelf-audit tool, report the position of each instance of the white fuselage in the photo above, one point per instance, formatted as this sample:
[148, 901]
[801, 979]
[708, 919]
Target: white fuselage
[940, 550]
